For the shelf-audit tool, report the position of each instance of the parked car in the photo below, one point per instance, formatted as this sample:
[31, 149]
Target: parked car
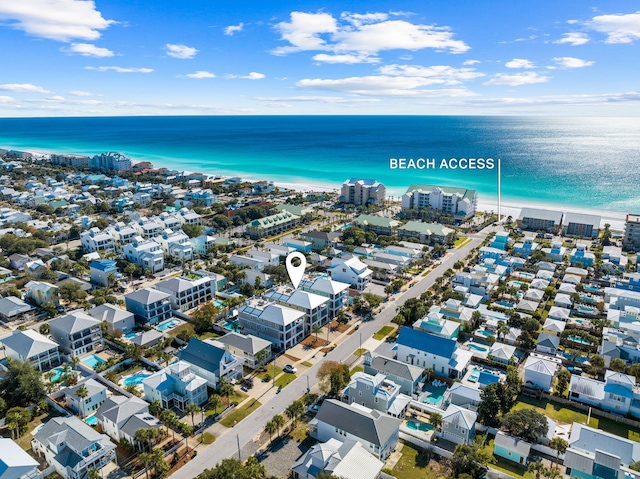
[288, 368]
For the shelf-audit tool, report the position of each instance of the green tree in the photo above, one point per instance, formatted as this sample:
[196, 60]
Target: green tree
[618, 365]
[17, 419]
[537, 468]
[559, 445]
[270, 428]
[192, 409]
[294, 410]
[316, 329]
[564, 377]
[490, 405]
[71, 292]
[82, 392]
[160, 466]
[22, 385]
[527, 424]
[234, 469]
[225, 389]
[436, 420]
[214, 402]
[192, 231]
[44, 329]
[146, 458]
[333, 377]
[597, 364]
[278, 420]
[93, 473]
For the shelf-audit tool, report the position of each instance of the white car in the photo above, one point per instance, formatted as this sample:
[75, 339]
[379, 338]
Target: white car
[290, 369]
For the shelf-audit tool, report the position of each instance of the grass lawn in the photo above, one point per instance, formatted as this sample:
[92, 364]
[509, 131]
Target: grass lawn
[306, 364]
[506, 466]
[208, 438]
[568, 415]
[186, 326]
[240, 413]
[383, 332]
[414, 466]
[270, 372]
[300, 432]
[237, 396]
[357, 369]
[209, 335]
[285, 379]
[359, 352]
[460, 242]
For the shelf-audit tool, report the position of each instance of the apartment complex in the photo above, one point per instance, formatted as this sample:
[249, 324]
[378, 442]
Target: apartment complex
[360, 192]
[458, 202]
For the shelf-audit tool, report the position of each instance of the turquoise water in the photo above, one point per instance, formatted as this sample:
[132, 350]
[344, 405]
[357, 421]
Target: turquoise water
[218, 304]
[547, 160]
[131, 335]
[577, 339]
[477, 347]
[93, 361]
[135, 379]
[58, 372]
[91, 420]
[588, 299]
[591, 288]
[172, 323]
[586, 309]
[505, 304]
[484, 332]
[230, 325]
[419, 426]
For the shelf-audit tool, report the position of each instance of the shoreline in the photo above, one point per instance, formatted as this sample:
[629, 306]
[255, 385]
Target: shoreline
[512, 207]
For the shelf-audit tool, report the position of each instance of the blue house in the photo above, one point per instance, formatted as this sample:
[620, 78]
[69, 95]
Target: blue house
[511, 448]
[500, 240]
[100, 270]
[426, 350]
[582, 256]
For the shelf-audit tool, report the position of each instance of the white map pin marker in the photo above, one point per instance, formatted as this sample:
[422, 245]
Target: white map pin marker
[296, 272]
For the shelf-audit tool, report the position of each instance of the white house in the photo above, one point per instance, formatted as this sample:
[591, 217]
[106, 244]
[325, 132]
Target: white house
[314, 307]
[188, 293]
[15, 463]
[176, 244]
[175, 386]
[351, 271]
[281, 325]
[84, 406]
[459, 425]
[210, 360]
[77, 333]
[539, 372]
[95, 240]
[117, 319]
[147, 254]
[29, 345]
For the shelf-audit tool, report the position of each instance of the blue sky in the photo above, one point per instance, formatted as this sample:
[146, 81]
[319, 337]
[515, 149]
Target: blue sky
[202, 57]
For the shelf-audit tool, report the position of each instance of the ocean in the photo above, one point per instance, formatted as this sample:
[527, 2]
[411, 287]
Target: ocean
[566, 163]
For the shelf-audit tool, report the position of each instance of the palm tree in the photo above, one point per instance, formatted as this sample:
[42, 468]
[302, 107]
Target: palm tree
[142, 436]
[316, 329]
[192, 408]
[146, 458]
[270, 428]
[93, 473]
[559, 445]
[169, 418]
[74, 362]
[278, 420]
[214, 402]
[82, 392]
[226, 389]
[537, 469]
[436, 419]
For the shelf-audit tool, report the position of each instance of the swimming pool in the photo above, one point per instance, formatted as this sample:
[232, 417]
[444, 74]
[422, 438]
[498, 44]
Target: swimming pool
[231, 325]
[473, 377]
[131, 335]
[419, 426]
[487, 377]
[218, 304]
[135, 379]
[523, 274]
[588, 299]
[57, 374]
[577, 339]
[516, 283]
[485, 333]
[586, 309]
[93, 361]
[593, 289]
[171, 323]
[91, 420]
[477, 347]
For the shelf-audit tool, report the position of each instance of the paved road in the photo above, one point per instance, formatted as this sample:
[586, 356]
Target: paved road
[227, 445]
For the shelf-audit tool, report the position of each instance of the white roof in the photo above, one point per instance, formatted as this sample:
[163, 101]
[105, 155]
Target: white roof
[14, 461]
[540, 365]
[28, 343]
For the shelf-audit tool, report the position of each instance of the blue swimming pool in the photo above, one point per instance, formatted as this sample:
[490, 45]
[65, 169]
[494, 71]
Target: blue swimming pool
[593, 289]
[231, 325]
[131, 335]
[218, 304]
[577, 339]
[135, 379]
[505, 304]
[586, 309]
[57, 374]
[419, 426]
[91, 420]
[93, 361]
[485, 333]
[477, 347]
[171, 323]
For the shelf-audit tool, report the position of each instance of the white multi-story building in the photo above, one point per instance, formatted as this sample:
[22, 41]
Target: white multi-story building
[111, 161]
[351, 271]
[176, 244]
[122, 233]
[458, 202]
[337, 292]
[360, 192]
[77, 333]
[149, 305]
[188, 293]
[95, 240]
[147, 254]
[188, 217]
[147, 228]
[281, 325]
[314, 307]
[175, 386]
[29, 345]
[632, 231]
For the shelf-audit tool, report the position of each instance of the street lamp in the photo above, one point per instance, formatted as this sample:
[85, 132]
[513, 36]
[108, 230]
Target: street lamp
[274, 371]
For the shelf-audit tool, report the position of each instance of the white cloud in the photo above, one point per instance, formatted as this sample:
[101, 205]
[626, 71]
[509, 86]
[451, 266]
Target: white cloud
[618, 28]
[519, 63]
[345, 58]
[471, 62]
[441, 74]
[6, 99]
[81, 93]
[180, 51]
[231, 29]
[200, 74]
[23, 87]
[362, 35]
[250, 76]
[62, 20]
[384, 85]
[525, 78]
[321, 99]
[120, 69]
[571, 62]
[88, 50]
[574, 38]
[583, 99]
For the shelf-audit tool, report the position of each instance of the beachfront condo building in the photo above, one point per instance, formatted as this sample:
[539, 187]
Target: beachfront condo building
[579, 224]
[357, 191]
[535, 219]
[273, 224]
[632, 232]
[111, 161]
[460, 203]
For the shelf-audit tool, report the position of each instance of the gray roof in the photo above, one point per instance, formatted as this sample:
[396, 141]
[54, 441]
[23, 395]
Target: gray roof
[538, 213]
[71, 431]
[582, 218]
[139, 421]
[109, 313]
[512, 443]
[460, 416]
[93, 387]
[146, 296]
[147, 337]
[370, 425]
[548, 341]
[12, 306]
[118, 409]
[73, 322]
[28, 343]
[396, 368]
[245, 342]
[202, 354]
[589, 439]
